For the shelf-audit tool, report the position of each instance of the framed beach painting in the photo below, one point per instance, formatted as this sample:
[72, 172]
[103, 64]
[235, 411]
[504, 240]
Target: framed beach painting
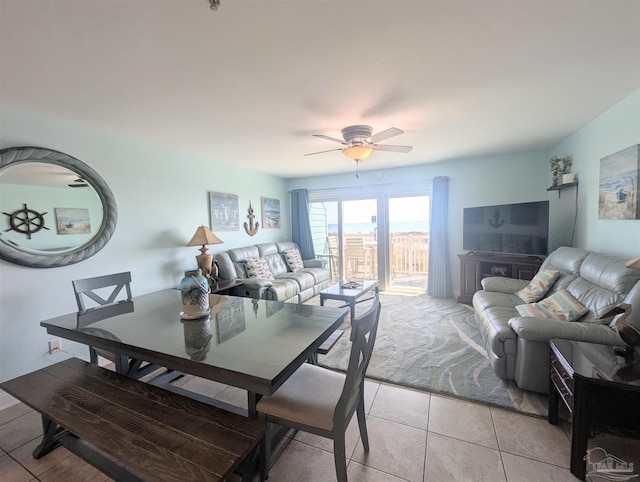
[270, 213]
[73, 221]
[618, 193]
[223, 212]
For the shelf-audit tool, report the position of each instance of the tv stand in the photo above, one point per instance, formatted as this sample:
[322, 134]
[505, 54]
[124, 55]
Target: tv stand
[476, 266]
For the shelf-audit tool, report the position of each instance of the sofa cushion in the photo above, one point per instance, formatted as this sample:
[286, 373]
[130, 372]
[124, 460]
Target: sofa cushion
[559, 306]
[538, 286]
[258, 268]
[488, 299]
[293, 259]
[276, 264]
[304, 280]
[283, 289]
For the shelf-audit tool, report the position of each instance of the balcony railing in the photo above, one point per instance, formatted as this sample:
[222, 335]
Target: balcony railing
[409, 257]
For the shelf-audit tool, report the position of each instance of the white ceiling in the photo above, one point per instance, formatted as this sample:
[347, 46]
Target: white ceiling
[248, 84]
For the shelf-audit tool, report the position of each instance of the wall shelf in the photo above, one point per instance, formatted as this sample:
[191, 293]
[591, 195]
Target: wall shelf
[560, 187]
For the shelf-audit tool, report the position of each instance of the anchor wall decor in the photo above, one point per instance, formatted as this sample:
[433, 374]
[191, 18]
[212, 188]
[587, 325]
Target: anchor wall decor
[496, 221]
[250, 227]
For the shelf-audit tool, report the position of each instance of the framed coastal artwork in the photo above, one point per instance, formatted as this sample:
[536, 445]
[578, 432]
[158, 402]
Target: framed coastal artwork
[223, 212]
[270, 213]
[618, 190]
[72, 221]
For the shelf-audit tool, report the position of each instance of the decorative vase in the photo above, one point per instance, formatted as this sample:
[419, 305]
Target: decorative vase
[194, 289]
[197, 337]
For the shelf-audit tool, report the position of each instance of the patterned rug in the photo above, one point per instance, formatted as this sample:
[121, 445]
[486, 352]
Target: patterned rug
[433, 345]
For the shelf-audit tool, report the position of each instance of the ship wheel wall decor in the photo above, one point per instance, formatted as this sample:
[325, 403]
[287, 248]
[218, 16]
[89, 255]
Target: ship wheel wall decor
[26, 221]
[22, 255]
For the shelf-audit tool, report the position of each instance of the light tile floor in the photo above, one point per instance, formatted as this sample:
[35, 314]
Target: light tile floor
[414, 436]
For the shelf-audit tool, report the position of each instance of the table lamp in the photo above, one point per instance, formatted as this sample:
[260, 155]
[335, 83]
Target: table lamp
[204, 236]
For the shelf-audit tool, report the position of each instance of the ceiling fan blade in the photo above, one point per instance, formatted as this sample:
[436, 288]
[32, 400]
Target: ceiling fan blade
[386, 134]
[322, 152]
[322, 136]
[391, 148]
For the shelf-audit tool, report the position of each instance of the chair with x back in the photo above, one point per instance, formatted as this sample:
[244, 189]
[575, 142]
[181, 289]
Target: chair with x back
[321, 401]
[106, 293]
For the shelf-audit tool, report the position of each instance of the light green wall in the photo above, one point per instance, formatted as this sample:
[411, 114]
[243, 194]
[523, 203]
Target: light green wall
[614, 130]
[161, 197]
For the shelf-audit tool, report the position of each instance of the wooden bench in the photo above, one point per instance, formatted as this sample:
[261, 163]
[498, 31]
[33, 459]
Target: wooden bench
[131, 430]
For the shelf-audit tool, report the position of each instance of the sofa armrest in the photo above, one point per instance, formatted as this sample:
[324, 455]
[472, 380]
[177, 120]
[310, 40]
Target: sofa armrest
[503, 285]
[315, 263]
[253, 288]
[544, 329]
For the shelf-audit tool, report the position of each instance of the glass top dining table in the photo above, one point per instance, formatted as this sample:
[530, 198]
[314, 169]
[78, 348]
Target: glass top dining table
[247, 343]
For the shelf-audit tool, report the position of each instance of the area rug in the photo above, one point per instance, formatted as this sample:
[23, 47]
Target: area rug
[433, 345]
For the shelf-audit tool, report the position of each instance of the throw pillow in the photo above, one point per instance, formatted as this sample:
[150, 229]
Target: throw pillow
[258, 268]
[293, 259]
[559, 306]
[538, 286]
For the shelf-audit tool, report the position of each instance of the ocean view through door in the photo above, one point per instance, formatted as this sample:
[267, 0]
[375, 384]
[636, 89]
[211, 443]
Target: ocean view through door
[385, 238]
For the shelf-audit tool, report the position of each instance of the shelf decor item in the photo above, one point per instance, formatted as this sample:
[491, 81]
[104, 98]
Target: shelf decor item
[560, 166]
[194, 290]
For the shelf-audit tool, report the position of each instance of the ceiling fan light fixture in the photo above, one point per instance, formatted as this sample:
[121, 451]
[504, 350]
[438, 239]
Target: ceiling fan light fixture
[357, 153]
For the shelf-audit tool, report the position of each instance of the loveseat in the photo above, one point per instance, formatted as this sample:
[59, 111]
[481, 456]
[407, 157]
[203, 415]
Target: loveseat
[517, 331]
[273, 271]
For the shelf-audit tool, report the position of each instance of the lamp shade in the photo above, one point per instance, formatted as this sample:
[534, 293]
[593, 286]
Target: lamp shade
[357, 153]
[633, 263]
[204, 236]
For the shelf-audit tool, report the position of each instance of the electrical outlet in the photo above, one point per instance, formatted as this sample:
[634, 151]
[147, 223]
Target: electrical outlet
[54, 346]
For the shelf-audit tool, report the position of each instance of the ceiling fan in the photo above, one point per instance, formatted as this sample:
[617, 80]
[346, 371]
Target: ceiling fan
[359, 143]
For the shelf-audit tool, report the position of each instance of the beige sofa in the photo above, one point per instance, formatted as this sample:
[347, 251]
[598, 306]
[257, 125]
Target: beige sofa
[518, 346]
[286, 285]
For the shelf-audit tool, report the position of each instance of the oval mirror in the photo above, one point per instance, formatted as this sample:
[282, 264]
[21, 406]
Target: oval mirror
[57, 210]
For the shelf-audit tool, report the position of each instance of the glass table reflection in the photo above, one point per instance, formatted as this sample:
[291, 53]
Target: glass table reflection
[251, 344]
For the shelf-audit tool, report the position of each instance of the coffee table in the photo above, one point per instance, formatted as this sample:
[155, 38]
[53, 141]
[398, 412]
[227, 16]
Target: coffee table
[349, 295]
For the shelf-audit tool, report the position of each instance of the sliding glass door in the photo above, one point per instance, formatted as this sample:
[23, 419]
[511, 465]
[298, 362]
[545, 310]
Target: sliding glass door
[384, 238]
[359, 238]
[408, 241]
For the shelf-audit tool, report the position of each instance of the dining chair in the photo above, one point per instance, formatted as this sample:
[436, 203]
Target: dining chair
[356, 256]
[321, 401]
[102, 297]
[334, 253]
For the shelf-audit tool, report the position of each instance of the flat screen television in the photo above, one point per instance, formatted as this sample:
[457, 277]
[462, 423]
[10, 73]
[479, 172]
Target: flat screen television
[519, 229]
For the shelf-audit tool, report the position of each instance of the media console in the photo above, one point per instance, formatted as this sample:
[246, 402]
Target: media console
[476, 266]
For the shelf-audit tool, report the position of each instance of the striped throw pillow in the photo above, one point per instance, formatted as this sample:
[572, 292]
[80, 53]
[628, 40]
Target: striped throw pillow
[560, 306]
[258, 268]
[293, 259]
[538, 286]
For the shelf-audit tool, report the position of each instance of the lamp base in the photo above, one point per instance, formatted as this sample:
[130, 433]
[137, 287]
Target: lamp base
[205, 262]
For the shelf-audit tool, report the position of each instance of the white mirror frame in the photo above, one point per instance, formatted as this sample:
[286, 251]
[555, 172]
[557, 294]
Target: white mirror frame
[14, 254]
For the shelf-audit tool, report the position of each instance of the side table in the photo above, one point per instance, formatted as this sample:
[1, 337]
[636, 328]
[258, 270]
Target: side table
[600, 391]
[224, 287]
